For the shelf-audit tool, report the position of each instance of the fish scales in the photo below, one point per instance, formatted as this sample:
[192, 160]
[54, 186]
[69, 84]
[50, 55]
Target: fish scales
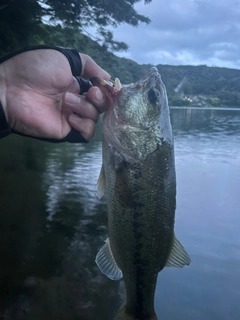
[140, 186]
[137, 233]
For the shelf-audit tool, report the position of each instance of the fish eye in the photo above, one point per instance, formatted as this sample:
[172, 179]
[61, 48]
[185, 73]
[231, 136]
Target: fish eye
[153, 95]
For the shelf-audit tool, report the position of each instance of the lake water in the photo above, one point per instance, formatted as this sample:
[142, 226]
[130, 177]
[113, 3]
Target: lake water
[52, 225]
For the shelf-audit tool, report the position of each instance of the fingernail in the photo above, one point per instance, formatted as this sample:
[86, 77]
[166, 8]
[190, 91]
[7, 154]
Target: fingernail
[72, 98]
[73, 117]
[104, 75]
[99, 95]
[108, 75]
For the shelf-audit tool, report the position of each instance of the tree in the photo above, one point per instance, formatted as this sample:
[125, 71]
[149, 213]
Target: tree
[21, 20]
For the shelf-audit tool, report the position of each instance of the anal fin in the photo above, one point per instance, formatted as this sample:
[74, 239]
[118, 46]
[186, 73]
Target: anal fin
[178, 256]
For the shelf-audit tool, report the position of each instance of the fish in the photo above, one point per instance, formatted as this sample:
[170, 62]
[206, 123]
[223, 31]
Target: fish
[139, 181]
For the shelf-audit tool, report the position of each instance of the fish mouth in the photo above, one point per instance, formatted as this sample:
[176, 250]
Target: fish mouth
[151, 72]
[152, 76]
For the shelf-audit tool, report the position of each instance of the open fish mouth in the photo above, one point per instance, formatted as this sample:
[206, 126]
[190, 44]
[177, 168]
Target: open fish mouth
[151, 72]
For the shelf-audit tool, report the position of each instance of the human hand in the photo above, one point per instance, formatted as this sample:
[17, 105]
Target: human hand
[40, 95]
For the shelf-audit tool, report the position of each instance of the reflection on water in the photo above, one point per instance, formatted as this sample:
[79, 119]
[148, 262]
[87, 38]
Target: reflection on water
[207, 134]
[77, 182]
[52, 225]
[207, 149]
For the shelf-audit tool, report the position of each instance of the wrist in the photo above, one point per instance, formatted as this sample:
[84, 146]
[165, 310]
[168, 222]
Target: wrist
[3, 91]
[5, 129]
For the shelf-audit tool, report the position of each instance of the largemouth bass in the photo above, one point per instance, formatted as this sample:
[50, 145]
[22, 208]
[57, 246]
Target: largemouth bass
[139, 181]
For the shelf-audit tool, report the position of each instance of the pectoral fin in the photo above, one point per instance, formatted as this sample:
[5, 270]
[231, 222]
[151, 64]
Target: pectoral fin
[101, 184]
[178, 256]
[107, 264]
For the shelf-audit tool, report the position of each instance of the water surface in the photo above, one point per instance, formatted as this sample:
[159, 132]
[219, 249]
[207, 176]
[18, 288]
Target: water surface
[52, 225]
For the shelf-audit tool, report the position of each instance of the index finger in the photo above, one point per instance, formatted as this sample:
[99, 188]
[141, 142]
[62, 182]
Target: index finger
[90, 69]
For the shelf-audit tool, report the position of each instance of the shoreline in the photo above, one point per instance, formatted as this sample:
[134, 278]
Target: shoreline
[204, 108]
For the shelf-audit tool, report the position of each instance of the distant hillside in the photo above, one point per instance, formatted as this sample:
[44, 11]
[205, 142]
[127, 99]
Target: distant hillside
[194, 85]
[202, 85]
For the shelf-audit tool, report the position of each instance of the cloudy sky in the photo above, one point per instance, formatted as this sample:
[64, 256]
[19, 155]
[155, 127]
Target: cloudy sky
[189, 32]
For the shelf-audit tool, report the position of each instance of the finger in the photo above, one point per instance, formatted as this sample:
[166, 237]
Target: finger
[85, 126]
[79, 86]
[74, 87]
[99, 99]
[91, 69]
[81, 106]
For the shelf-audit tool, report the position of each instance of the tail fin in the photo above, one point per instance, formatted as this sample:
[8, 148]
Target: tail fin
[122, 315]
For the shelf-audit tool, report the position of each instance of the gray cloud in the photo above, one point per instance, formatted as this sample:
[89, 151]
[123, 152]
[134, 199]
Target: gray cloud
[186, 32]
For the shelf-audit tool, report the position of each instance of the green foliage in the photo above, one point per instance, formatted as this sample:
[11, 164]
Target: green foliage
[187, 87]
[177, 101]
[216, 102]
[200, 79]
[229, 98]
[21, 20]
[101, 12]
[220, 86]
